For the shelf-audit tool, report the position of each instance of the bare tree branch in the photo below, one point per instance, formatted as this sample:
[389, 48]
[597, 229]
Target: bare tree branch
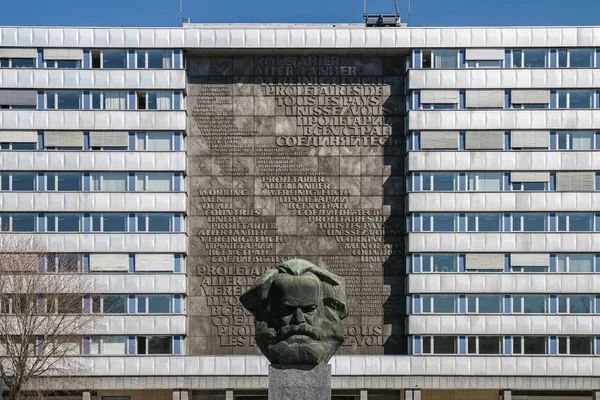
[42, 316]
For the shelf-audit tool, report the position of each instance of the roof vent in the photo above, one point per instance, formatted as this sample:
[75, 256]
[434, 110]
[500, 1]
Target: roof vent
[379, 20]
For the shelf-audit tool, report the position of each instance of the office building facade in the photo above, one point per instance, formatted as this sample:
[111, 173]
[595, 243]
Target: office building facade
[447, 173]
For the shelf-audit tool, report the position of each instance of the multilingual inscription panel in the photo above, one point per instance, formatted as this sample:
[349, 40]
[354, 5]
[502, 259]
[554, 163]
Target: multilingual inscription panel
[295, 156]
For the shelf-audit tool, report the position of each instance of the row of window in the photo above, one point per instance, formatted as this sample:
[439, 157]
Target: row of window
[105, 304]
[509, 58]
[500, 222]
[65, 263]
[109, 345]
[78, 141]
[498, 140]
[498, 99]
[101, 100]
[96, 58]
[76, 222]
[506, 345]
[97, 182]
[561, 263]
[505, 304]
[504, 181]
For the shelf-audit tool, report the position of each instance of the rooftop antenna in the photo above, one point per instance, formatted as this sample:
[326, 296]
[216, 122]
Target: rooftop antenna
[181, 16]
[409, 14]
[381, 19]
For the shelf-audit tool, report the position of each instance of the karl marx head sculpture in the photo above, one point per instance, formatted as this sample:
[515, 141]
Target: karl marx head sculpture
[298, 308]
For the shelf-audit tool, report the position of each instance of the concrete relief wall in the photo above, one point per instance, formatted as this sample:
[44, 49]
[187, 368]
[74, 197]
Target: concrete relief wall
[295, 157]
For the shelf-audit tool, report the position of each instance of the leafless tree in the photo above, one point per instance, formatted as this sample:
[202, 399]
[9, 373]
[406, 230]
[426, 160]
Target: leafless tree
[41, 314]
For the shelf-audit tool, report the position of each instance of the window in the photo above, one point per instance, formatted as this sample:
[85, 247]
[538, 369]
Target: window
[109, 305]
[484, 345]
[21, 222]
[64, 100]
[109, 100]
[154, 345]
[439, 262]
[154, 141]
[108, 345]
[109, 222]
[154, 100]
[445, 58]
[109, 182]
[484, 222]
[18, 62]
[530, 345]
[529, 304]
[63, 64]
[576, 345]
[576, 58]
[531, 222]
[529, 186]
[439, 344]
[64, 182]
[485, 181]
[484, 64]
[439, 222]
[18, 146]
[576, 222]
[158, 59]
[528, 269]
[18, 181]
[154, 222]
[63, 263]
[109, 59]
[575, 140]
[439, 106]
[575, 98]
[155, 304]
[154, 182]
[63, 222]
[530, 58]
[530, 106]
[439, 304]
[575, 304]
[484, 304]
[439, 181]
[577, 263]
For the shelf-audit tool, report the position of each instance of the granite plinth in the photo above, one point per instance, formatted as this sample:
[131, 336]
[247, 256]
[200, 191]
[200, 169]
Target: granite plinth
[300, 382]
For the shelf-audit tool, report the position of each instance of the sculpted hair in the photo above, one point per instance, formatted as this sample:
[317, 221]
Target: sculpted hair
[334, 293]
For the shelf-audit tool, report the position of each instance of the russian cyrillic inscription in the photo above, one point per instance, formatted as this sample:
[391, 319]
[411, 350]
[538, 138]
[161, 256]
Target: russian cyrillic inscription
[295, 157]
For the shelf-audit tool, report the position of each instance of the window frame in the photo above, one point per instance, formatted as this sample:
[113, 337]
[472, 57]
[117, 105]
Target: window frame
[476, 217]
[431, 299]
[568, 140]
[477, 298]
[568, 51]
[567, 100]
[568, 298]
[145, 298]
[519, 301]
[568, 265]
[477, 345]
[567, 344]
[522, 338]
[430, 257]
[55, 95]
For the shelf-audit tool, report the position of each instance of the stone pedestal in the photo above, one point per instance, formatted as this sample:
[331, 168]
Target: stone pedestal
[300, 382]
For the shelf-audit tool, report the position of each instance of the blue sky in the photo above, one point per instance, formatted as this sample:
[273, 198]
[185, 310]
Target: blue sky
[424, 12]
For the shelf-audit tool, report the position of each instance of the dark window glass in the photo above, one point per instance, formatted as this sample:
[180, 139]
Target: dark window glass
[69, 182]
[23, 223]
[24, 181]
[68, 222]
[159, 222]
[582, 58]
[159, 304]
[69, 100]
[534, 58]
[562, 345]
[490, 345]
[444, 345]
[562, 58]
[581, 222]
[444, 222]
[534, 345]
[4, 62]
[490, 304]
[115, 304]
[581, 99]
[517, 345]
[114, 222]
[517, 59]
[444, 304]
[68, 64]
[439, 263]
[114, 59]
[96, 100]
[156, 59]
[427, 345]
[534, 222]
[141, 58]
[23, 62]
[534, 304]
[581, 345]
[68, 262]
[23, 146]
[533, 186]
